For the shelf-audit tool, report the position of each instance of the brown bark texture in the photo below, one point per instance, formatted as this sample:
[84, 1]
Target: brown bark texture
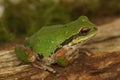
[101, 63]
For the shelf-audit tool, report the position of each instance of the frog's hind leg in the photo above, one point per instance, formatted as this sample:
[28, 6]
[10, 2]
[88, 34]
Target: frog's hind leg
[43, 63]
[43, 67]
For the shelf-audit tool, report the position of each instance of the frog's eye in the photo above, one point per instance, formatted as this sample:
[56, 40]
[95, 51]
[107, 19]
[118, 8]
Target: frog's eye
[84, 30]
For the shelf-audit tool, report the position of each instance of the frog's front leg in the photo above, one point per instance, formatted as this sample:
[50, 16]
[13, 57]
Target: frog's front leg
[72, 53]
[67, 54]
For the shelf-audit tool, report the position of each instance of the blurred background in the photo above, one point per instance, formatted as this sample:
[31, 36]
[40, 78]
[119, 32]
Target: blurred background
[21, 18]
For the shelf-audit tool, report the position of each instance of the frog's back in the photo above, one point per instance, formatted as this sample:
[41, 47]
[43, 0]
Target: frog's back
[47, 39]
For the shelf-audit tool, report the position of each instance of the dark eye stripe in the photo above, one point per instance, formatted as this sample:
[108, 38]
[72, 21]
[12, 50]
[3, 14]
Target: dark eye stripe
[82, 32]
[64, 43]
[68, 40]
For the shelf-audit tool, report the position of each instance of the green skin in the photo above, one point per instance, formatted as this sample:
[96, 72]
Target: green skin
[49, 38]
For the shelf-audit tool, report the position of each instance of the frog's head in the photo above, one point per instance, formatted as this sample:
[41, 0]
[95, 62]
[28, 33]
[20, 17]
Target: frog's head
[85, 31]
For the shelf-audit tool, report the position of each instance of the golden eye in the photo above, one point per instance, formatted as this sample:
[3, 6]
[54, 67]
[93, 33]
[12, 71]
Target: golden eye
[84, 30]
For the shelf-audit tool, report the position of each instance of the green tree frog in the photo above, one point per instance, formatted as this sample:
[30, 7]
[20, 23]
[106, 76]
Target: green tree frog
[56, 44]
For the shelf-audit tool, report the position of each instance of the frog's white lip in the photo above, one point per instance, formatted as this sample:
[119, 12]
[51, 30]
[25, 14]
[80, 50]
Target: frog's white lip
[84, 40]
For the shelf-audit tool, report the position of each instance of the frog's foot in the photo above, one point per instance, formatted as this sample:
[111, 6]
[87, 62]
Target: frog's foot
[85, 51]
[43, 67]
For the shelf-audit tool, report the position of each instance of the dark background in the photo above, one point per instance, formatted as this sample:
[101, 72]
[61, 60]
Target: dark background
[21, 18]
